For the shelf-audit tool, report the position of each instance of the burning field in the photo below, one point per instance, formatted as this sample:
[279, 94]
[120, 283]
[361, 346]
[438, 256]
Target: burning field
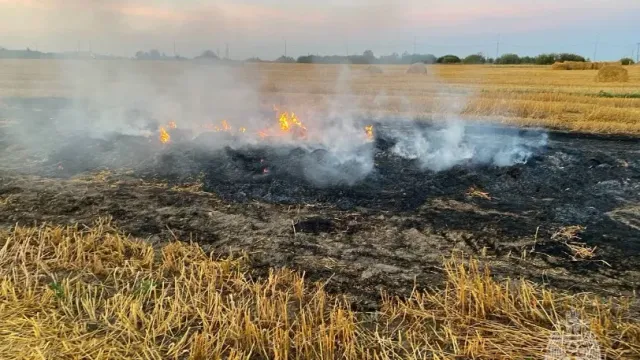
[370, 208]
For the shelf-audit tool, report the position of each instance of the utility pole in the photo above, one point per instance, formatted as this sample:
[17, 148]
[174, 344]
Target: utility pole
[498, 48]
[595, 50]
[226, 51]
[285, 47]
[175, 54]
[414, 45]
[638, 53]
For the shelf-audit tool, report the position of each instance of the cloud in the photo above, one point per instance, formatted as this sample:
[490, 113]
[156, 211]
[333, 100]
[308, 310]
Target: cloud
[257, 27]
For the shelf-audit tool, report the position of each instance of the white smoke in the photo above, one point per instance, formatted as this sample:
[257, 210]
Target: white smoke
[136, 97]
[453, 141]
[458, 143]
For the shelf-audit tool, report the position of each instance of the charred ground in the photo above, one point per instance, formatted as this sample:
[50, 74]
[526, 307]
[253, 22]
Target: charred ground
[387, 231]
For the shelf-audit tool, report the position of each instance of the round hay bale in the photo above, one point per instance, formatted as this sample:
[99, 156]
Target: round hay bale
[373, 69]
[612, 73]
[417, 68]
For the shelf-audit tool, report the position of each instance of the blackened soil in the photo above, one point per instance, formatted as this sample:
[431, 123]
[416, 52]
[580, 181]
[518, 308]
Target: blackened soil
[387, 230]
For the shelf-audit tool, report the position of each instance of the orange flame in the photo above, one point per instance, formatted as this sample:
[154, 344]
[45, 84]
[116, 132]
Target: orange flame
[164, 136]
[369, 132]
[172, 125]
[284, 122]
[289, 123]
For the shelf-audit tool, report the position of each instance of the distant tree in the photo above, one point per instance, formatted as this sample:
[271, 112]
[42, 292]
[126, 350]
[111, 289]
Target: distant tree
[389, 59]
[508, 59]
[546, 59]
[285, 59]
[490, 60]
[308, 59]
[353, 59]
[449, 59]
[527, 60]
[569, 57]
[208, 54]
[474, 59]
[627, 61]
[369, 56]
[425, 58]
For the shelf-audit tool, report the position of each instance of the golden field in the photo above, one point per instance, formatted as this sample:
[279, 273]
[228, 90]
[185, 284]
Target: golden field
[94, 293]
[514, 95]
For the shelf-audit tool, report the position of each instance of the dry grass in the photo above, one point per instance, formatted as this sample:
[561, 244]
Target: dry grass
[93, 293]
[475, 192]
[568, 233]
[579, 251]
[511, 95]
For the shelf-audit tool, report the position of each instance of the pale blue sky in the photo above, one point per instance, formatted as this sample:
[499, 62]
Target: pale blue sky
[259, 28]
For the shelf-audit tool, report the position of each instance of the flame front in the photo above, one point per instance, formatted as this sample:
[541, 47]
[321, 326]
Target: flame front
[284, 122]
[369, 132]
[288, 124]
[291, 123]
[164, 136]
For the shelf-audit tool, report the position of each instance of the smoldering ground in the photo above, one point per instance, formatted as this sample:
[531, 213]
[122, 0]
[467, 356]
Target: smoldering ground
[110, 103]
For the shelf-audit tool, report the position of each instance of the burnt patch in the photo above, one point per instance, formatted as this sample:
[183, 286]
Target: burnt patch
[314, 225]
[385, 227]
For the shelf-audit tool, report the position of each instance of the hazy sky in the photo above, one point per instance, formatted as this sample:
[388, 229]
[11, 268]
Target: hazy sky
[259, 28]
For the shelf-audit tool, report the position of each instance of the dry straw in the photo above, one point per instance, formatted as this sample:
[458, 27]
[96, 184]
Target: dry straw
[94, 293]
[417, 68]
[612, 74]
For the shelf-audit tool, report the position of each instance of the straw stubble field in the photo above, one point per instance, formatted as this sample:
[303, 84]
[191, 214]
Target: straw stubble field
[514, 95]
[74, 292]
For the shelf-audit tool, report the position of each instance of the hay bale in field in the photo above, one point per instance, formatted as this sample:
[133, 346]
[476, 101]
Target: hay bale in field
[373, 69]
[559, 66]
[612, 73]
[600, 65]
[578, 65]
[417, 68]
[583, 65]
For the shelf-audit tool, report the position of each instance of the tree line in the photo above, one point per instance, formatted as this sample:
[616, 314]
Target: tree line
[367, 57]
[507, 59]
